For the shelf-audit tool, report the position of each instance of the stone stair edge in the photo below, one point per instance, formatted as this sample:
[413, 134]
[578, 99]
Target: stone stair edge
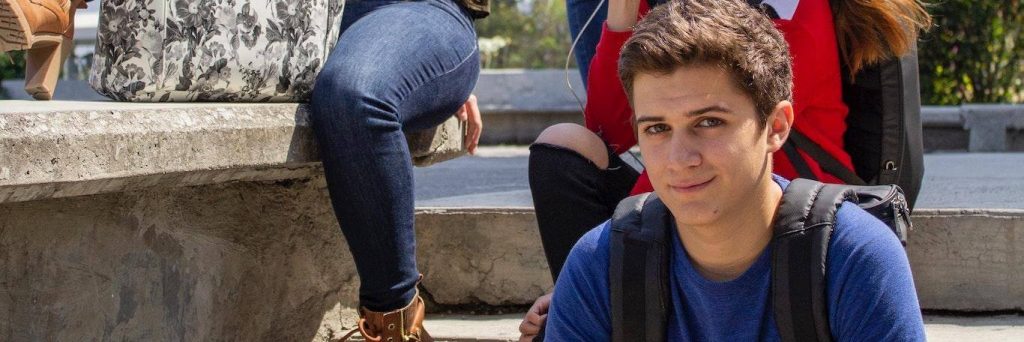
[931, 212]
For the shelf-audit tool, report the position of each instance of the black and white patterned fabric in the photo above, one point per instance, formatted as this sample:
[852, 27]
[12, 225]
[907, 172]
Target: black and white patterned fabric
[213, 50]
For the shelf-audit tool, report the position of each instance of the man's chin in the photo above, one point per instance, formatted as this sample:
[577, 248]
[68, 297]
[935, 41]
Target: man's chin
[693, 213]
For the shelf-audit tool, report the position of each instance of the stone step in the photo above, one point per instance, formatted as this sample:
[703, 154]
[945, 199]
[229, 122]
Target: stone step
[969, 223]
[938, 328]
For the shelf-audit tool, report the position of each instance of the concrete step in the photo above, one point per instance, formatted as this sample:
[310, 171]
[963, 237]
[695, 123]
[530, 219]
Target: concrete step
[969, 221]
[938, 328]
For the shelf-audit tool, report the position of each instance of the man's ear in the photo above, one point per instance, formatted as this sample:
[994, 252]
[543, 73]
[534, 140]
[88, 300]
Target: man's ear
[780, 121]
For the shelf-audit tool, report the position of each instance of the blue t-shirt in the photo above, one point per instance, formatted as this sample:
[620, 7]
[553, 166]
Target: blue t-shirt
[871, 294]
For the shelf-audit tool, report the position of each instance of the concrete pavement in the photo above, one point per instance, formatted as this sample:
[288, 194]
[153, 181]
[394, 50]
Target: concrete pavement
[938, 328]
[497, 177]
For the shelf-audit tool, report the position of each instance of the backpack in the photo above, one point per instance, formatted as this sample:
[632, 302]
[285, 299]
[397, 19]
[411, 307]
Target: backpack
[883, 129]
[640, 245]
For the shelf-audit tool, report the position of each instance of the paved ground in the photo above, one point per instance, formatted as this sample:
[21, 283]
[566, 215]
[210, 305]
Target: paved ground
[497, 178]
[938, 328]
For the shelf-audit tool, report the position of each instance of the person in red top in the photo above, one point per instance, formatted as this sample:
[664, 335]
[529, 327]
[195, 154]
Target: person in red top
[576, 174]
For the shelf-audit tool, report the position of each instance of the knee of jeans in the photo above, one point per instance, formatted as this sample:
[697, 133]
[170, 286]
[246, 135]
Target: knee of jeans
[342, 96]
[577, 139]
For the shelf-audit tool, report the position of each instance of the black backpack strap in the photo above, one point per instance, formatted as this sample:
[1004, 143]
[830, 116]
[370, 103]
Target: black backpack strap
[802, 169]
[638, 269]
[803, 228]
[827, 162]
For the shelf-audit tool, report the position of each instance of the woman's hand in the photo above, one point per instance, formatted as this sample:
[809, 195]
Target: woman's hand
[470, 112]
[622, 14]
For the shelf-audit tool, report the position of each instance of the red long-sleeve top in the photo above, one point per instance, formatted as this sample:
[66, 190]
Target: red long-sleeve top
[819, 110]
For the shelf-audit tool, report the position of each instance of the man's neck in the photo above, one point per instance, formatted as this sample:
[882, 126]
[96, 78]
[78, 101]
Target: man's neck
[724, 249]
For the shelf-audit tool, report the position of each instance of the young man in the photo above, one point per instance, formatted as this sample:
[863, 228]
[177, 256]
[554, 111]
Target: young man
[710, 82]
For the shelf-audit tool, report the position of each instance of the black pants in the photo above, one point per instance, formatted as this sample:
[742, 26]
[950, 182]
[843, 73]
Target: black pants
[571, 195]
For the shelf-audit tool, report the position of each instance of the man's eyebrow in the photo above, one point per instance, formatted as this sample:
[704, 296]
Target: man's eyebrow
[714, 108]
[708, 109]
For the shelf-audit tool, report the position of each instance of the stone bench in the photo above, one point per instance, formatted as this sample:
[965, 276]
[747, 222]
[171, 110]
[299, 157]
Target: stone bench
[123, 221]
[74, 148]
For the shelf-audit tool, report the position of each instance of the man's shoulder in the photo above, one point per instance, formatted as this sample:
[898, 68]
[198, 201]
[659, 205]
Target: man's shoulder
[589, 259]
[593, 244]
[859, 224]
[580, 308]
[869, 277]
[859, 237]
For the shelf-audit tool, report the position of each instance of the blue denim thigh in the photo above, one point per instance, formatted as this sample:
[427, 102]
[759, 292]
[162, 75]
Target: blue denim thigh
[397, 66]
[578, 11]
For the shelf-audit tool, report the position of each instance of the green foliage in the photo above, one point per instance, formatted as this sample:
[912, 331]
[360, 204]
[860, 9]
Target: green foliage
[12, 65]
[538, 38]
[974, 54]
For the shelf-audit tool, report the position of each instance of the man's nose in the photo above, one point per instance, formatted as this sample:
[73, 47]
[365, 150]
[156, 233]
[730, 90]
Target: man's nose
[684, 152]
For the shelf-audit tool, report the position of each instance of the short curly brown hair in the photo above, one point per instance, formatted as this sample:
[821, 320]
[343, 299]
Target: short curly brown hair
[727, 33]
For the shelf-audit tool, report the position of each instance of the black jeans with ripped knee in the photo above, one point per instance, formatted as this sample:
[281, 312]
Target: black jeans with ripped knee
[571, 196]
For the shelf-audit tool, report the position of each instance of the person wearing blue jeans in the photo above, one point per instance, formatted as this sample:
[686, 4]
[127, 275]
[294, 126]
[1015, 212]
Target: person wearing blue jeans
[397, 66]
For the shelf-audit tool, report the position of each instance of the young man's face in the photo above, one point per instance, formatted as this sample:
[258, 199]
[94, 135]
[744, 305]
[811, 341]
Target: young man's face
[703, 146]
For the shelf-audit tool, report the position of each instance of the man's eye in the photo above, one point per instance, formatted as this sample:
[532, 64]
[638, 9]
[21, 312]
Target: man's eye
[709, 122]
[656, 128]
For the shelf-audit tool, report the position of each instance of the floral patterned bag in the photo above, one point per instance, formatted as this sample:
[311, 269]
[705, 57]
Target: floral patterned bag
[213, 50]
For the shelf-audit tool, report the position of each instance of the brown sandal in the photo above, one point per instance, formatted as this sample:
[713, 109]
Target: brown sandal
[402, 325]
[44, 29]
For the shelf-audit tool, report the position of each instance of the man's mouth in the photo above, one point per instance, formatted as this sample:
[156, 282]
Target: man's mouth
[690, 187]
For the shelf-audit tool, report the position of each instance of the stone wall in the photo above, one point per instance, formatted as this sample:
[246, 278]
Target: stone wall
[238, 261]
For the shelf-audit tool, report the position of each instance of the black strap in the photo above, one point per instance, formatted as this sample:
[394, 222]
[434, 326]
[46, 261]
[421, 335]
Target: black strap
[803, 228]
[827, 162]
[802, 169]
[638, 269]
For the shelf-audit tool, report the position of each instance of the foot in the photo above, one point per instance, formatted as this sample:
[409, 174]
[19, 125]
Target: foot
[402, 325]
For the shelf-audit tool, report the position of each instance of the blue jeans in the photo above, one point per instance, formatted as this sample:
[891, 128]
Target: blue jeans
[397, 66]
[578, 12]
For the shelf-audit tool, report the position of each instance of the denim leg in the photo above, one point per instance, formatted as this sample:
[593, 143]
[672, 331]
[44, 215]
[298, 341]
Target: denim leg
[397, 65]
[578, 12]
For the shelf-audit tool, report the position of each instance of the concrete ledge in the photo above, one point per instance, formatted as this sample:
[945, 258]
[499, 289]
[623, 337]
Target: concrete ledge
[479, 328]
[968, 259]
[988, 125]
[265, 261]
[963, 259]
[59, 149]
[235, 261]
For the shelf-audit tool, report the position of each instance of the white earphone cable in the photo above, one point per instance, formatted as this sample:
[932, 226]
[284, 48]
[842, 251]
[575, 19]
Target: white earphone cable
[572, 48]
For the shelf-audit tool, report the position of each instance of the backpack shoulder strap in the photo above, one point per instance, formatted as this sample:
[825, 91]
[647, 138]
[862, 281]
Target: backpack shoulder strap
[638, 269]
[803, 228]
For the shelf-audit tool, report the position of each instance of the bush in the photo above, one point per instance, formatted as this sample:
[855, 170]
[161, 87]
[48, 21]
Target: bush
[12, 65]
[974, 54]
[531, 34]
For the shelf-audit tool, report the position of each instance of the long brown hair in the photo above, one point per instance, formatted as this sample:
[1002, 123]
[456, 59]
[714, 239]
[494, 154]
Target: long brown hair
[870, 31]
